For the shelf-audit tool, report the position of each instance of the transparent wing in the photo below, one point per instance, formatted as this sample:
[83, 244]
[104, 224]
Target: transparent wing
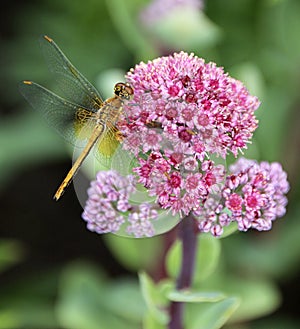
[70, 120]
[106, 145]
[72, 83]
[110, 154]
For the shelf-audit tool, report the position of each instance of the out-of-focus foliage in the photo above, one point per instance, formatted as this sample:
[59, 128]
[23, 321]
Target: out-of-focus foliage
[257, 42]
[88, 299]
[11, 252]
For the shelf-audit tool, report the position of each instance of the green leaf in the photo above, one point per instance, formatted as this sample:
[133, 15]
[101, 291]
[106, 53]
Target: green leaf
[150, 322]
[210, 315]
[208, 253]
[230, 229]
[124, 298]
[155, 300]
[134, 254]
[207, 256]
[258, 297]
[87, 300]
[194, 297]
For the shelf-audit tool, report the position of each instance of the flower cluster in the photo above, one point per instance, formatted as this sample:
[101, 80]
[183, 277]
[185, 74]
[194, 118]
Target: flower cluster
[254, 194]
[180, 192]
[198, 107]
[184, 113]
[109, 206]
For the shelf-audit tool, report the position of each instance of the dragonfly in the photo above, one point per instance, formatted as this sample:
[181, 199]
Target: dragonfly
[85, 116]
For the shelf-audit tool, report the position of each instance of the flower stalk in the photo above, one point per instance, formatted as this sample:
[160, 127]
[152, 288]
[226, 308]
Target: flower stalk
[188, 235]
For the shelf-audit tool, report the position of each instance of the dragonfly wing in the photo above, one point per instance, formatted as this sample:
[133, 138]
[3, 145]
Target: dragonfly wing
[106, 146]
[110, 153]
[70, 120]
[72, 83]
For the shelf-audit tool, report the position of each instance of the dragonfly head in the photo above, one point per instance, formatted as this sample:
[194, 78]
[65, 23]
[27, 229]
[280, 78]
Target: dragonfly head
[123, 90]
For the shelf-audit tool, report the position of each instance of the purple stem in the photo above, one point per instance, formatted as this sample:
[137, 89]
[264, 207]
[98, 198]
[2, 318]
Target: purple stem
[187, 234]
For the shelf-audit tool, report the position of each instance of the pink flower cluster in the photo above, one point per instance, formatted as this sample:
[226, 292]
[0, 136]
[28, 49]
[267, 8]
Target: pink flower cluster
[184, 113]
[185, 110]
[254, 194]
[108, 207]
[197, 106]
[179, 191]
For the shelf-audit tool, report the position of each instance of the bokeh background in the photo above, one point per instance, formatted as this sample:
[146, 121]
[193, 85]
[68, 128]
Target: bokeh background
[53, 272]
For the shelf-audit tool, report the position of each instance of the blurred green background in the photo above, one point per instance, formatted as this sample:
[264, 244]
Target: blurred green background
[56, 274]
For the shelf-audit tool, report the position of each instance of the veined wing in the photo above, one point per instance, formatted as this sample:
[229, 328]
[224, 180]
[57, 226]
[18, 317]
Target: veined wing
[110, 154]
[107, 145]
[70, 120]
[73, 84]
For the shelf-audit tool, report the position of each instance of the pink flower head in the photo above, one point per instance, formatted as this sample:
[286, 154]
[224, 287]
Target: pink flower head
[108, 206]
[199, 107]
[253, 193]
[185, 110]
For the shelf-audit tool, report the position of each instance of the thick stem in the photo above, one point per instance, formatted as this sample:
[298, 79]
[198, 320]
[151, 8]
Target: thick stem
[188, 236]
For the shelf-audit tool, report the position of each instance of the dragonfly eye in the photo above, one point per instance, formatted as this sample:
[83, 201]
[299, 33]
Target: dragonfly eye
[123, 90]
